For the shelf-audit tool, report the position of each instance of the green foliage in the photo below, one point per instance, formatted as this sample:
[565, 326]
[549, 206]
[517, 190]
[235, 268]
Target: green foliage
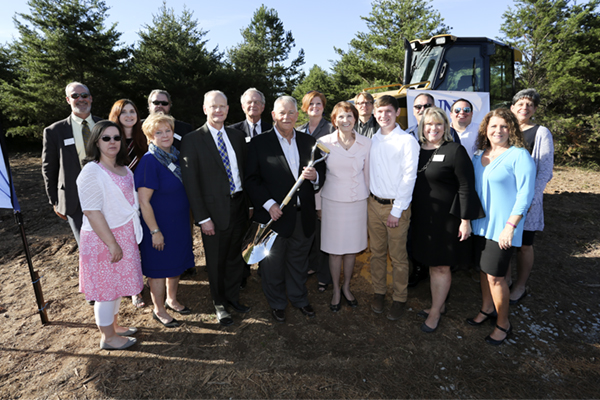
[172, 55]
[60, 41]
[262, 58]
[320, 80]
[560, 41]
[376, 57]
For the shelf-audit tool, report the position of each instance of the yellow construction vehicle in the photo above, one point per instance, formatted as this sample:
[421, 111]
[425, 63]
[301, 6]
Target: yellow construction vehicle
[446, 62]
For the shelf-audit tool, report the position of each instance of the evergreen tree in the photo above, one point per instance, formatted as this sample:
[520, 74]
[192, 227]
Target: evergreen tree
[560, 42]
[320, 80]
[172, 55]
[261, 59]
[60, 41]
[376, 57]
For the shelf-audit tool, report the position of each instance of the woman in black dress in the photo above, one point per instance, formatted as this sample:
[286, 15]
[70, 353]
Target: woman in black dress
[444, 201]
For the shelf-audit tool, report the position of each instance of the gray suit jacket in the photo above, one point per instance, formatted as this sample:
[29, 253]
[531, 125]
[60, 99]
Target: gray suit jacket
[60, 166]
[204, 175]
[324, 128]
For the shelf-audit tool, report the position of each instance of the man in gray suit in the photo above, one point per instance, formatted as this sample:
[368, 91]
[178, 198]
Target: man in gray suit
[63, 152]
[212, 167]
[253, 104]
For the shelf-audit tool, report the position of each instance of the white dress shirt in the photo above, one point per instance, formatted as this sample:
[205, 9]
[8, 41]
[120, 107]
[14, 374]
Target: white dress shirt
[251, 126]
[393, 167]
[469, 137]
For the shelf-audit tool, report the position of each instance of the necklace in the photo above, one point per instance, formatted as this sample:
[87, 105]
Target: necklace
[424, 167]
[348, 144]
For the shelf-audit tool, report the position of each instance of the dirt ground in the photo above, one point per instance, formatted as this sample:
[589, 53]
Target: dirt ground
[355, 353]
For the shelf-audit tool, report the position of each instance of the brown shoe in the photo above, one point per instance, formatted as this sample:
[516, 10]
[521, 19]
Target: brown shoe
[377, 303]
[396, 310]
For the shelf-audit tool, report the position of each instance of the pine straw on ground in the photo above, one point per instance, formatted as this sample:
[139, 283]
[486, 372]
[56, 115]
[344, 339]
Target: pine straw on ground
[355, 353]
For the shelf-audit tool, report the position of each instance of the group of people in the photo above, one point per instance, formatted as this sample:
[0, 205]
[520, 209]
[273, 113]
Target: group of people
[402, 193]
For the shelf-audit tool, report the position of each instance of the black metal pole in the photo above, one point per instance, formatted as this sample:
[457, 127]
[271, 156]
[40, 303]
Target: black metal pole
[35, 278]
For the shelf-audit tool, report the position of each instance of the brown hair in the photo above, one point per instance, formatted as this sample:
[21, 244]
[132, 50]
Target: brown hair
[343, 106]
[368, 96]
[515, 137]
[92, 151]
[308, 97]
[140, 144]
[387, 101]
[153, 121]
[434, 114]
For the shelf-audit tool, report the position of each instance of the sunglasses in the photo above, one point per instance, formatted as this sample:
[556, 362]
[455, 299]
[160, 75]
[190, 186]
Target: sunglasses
[465, 109]
[107, 138]
[162, 103]
[83, 95]
[419, 106]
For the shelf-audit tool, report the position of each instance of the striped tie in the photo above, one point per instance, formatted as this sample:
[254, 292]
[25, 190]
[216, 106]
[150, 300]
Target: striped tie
[225, 158]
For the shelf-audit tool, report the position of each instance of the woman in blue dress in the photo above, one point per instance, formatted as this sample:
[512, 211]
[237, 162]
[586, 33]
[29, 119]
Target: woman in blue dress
[167, 245]
[504, 181]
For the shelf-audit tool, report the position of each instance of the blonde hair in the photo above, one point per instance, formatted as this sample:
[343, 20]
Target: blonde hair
[435, 114]
[153, 121]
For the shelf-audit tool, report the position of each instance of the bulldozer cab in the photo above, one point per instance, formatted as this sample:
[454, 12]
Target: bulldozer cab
[450, 63]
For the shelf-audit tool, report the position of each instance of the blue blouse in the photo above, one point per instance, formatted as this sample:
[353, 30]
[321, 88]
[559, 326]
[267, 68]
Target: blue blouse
[505, 187]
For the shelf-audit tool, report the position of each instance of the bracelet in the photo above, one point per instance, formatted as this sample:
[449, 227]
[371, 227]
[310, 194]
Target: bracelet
[511, 224]
[154, 231]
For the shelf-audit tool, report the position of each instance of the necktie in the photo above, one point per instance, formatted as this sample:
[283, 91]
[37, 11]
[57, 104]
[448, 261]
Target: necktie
[85, 132]
[254, 133]
[225, 158]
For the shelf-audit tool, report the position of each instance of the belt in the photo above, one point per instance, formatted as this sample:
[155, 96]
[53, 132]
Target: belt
[382, 201]
[236, 195]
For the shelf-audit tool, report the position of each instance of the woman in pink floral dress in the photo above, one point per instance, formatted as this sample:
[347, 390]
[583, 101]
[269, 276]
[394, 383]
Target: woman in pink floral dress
[109, 258]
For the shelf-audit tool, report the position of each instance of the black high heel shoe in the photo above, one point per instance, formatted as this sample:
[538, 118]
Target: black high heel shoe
[495, 342]
[336, 307]
[351, 303]
[493, 315]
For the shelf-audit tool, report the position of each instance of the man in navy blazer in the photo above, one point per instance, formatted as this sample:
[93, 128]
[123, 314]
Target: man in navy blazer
[212, 167]
[253, 104]
[276, 159]
[63, 152]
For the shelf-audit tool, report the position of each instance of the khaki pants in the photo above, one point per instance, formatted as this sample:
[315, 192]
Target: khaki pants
[383, 239]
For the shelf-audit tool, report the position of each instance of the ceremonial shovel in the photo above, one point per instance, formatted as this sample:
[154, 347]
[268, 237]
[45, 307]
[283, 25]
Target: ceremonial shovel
[259, 238]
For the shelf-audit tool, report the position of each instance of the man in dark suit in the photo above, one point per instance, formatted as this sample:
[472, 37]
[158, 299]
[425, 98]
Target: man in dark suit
[212, 165]
[160, 101]
[275, 161]
[63, 152]
[253, 104]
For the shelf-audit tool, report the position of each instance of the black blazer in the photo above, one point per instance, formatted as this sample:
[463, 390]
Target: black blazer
[268, 176]
[204, 176]
[243, 126]
[181, 129]
[60, 166]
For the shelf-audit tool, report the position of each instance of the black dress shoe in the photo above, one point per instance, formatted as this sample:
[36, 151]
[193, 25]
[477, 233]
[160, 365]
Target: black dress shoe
[513, 302]
[335, 307]
[493, 315]
[495, 342]
[351, 303]
[185, 311]
[238, 307]
[307, 310]
[171, 324]
[278, 314]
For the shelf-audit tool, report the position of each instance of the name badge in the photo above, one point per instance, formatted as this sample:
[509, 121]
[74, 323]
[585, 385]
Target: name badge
[177, 136]
[69, 142]
[172, 167]
[438, 157]
[248, 139]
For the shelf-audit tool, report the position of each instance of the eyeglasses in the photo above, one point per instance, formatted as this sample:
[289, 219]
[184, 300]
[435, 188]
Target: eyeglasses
[466, 110]
[364, 103]
[162, 103]
[107, 138]
[83, 95]
[419, 106]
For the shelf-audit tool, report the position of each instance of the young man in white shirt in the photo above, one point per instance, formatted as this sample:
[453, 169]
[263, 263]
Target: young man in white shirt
[393, 171]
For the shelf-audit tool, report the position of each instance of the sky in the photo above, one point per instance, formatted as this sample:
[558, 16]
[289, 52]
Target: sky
[317, 26]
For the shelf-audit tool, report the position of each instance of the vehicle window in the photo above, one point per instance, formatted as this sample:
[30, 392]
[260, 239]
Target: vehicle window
[425, 64]
[501, 77]
[463, 69]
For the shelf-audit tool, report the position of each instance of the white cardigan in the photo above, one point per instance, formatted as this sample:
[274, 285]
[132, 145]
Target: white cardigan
[97, 191]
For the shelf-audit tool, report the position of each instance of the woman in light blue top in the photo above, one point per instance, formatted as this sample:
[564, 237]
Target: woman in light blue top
[504, 180]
